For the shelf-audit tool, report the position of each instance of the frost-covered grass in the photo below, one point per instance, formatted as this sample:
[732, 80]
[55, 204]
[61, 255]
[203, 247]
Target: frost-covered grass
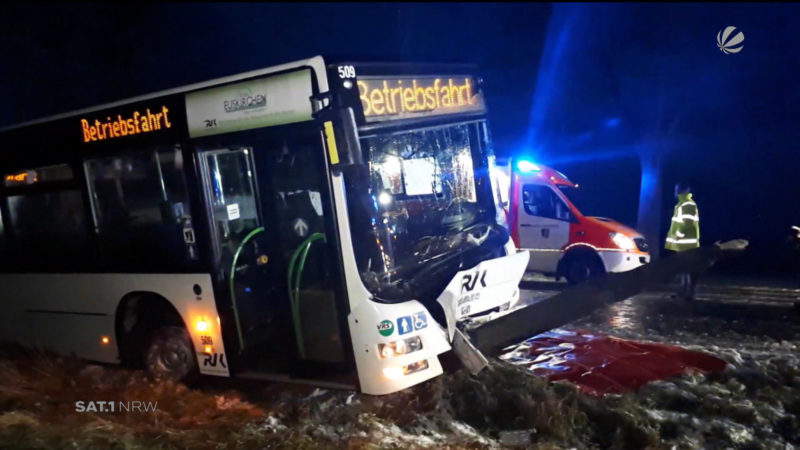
[753, 404]
[38, 392]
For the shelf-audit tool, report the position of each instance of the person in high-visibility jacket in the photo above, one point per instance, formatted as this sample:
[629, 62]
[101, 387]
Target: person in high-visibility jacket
[684, 233]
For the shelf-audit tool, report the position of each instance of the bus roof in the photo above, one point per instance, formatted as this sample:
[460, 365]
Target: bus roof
[316, 63]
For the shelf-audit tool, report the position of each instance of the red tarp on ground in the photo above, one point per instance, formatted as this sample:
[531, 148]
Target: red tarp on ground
[600, 364]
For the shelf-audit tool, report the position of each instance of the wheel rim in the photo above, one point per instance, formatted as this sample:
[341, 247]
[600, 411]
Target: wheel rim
[579, 271]
[169, 356]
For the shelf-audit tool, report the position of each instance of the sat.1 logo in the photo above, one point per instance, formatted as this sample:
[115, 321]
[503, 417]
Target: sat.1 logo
[728, 42]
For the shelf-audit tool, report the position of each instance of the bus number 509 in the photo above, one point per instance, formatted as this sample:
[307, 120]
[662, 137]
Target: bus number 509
[347, 72]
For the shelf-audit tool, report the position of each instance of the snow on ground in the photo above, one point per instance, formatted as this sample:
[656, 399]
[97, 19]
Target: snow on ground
[754, 404]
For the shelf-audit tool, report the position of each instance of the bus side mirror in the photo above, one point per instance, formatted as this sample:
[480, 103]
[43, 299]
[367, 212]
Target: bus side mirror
[341, 137]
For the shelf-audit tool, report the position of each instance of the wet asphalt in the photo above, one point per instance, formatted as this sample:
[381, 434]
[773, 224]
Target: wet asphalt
[771, 312]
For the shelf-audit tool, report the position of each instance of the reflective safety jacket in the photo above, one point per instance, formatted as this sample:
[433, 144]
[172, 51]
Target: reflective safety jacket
[684, 230]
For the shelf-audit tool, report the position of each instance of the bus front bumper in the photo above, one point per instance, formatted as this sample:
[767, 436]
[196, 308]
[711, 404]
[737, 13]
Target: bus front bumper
[398, 345]
[395, 345]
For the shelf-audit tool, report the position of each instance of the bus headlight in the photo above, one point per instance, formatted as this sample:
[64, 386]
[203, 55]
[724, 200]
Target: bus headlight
[622, 241]
[394, 373]
[401, 347]
[415, 367]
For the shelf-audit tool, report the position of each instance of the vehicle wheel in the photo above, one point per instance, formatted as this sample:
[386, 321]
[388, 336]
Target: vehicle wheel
[583, 267]
[170, 355]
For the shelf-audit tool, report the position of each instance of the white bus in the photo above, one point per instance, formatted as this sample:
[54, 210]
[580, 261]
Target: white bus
[312, 222]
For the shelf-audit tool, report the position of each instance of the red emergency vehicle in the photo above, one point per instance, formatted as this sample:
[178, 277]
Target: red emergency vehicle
[562, 242]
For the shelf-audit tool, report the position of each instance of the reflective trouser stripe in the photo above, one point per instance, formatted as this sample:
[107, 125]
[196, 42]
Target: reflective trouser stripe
[681, 241]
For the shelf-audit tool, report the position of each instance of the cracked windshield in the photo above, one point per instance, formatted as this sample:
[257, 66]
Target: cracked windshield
[425, 204]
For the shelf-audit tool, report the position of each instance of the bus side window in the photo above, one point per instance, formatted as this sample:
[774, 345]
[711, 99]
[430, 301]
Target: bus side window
[49, 228]
[141, 207]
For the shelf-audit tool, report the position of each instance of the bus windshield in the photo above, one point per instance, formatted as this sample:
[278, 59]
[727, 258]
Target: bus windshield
[425, 209]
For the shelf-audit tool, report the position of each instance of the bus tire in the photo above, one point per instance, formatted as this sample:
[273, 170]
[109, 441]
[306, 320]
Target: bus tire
[582, 267]
[169, 354]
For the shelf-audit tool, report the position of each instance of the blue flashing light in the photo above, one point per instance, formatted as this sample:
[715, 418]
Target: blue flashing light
[612, 122]
[525, 166]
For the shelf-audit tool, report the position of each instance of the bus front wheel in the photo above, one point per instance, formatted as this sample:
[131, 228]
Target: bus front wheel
[170, 354]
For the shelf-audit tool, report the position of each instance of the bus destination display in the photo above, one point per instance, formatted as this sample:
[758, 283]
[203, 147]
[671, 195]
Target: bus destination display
[392, 98]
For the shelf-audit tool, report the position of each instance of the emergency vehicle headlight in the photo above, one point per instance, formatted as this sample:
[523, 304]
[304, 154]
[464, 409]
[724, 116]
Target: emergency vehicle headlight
[397, 348]
[622, 241]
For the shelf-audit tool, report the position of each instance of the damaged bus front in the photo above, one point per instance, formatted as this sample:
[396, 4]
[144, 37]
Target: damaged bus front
[427, 248]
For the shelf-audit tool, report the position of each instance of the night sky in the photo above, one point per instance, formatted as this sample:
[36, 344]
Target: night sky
[584, 88]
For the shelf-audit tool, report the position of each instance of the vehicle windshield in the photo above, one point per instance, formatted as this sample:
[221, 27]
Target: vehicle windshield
[576, 196]
[422, 209]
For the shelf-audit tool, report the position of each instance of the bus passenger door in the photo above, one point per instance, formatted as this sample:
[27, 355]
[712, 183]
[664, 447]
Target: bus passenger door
[241, 247]
[296, 200]
[274, 239]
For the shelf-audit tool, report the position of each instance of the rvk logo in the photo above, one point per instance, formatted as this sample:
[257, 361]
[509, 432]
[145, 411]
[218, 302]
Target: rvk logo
[469, 281]
[212, 359]
[728, 44]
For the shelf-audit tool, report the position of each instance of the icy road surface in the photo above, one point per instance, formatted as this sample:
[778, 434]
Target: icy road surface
[754, 404]
[756, 330]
